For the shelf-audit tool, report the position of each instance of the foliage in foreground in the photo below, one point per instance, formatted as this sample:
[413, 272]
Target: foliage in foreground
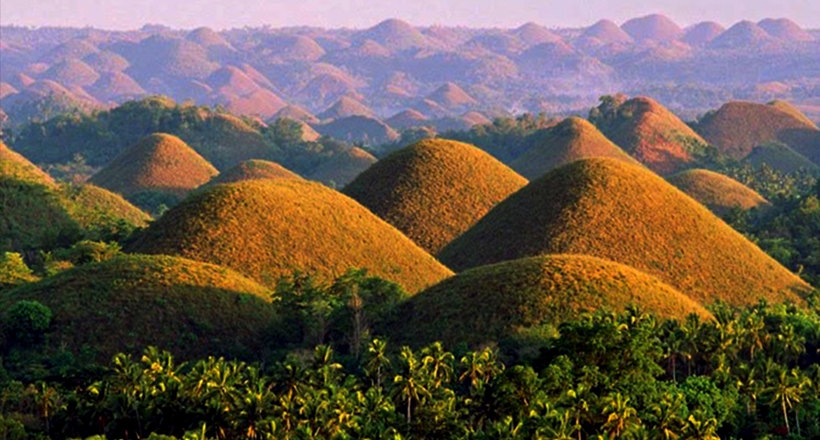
[750, 373]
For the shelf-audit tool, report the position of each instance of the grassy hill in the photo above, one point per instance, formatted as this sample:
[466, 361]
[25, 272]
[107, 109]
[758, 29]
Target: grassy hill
[650, 133]
[434, 189]
[343, 167]
[268, 228]
[95, 207]
[192, 309]
[572, 139]
[780, 157]
[489, 303]
[627, 214]
[717, 192]
[738, 127]
[13, 165]
[158, 163]
[252, 170]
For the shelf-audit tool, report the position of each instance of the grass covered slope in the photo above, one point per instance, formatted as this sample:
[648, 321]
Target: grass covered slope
[488, 303]
[572, 139]
[342, 168]
[738, 127]
[192, 309]
[92, 206]
[627, 214]
[650, 133]
[252, 170]
[157, 163]
[268, 228]
[717, 192]
[434, 189]
[14, 166]
[780, 157]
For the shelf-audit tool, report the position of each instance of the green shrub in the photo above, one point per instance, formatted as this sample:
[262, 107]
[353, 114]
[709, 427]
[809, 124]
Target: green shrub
[27, 321]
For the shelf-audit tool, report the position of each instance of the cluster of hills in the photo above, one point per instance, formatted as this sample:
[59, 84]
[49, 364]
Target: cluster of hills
[600, 213]
[365, 86]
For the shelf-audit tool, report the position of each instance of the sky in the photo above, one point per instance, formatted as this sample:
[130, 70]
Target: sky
[223, 14]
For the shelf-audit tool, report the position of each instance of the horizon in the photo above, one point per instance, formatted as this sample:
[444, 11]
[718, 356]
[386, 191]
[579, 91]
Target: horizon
[361, 14]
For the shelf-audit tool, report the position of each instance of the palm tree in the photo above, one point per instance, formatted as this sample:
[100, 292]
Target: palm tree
[788, 388]
[439, 362]
[410, 386]
[700, 430]
[620, 417]
[376, 360]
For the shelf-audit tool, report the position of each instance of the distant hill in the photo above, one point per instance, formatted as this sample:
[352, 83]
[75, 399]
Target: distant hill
[742, 34]
[268, 228]
[654, 27]
[737, 127]
[604, 32]
[721, 194]
[702, 33]
[395, 35]
[343, 167]
[624, 213]
[190, 308]
[785, 29]
[407, 119]
[650, 133]
[359, 130]
[434, 189]
[488, 304]
[253, 170]
[780, 157]
[450, 95]
[572, 139]
[345, 107]
[295, 113]
[158, 163]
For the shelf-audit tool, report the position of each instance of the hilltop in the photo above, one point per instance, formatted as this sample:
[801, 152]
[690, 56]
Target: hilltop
[488, 304]
[737, 127]
[780, 157]
[268, 228]
[159, 163]
[343, 167]
[654, 27]
[572, 139]
[190, 308]
[721, 194]
[252, 170]
[14, 166]
[627, 214]
[648, 132]
[434, 189]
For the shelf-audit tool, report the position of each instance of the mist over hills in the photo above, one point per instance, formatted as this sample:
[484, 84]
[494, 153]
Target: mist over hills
[438, 73]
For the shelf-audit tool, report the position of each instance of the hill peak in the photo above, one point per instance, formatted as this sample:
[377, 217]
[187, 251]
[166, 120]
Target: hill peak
[655, 27]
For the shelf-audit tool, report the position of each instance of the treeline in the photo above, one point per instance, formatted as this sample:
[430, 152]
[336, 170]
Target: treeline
[750, 373]
[75, 141]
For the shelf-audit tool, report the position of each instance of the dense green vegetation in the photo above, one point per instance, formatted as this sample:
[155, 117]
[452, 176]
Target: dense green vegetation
[224, 140]
[750, 373]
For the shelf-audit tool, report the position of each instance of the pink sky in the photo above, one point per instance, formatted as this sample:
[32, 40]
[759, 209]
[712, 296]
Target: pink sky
[220, 14]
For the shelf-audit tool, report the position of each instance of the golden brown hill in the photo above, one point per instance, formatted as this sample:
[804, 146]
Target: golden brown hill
[343, 167]
[627, 214]
[490, 303]
[738, 127]
[157, 163]
[787, 107]
[268, 228]
[572, 139]
[721, 194]
[651, 134]
[95, 207]
[254, 169]
[14, 166]
[190, 308]
[434, 189]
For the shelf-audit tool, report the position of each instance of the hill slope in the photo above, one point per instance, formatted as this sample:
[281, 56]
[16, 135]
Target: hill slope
[650, 133]
[254, 169]
[717, 192]
[736, 128]
[624, 213]
[343, 167]
[489, 303]
[125, 304]
[434, 189]
[14, 165]
[572, 139]
[159, 162]
[267, 228]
